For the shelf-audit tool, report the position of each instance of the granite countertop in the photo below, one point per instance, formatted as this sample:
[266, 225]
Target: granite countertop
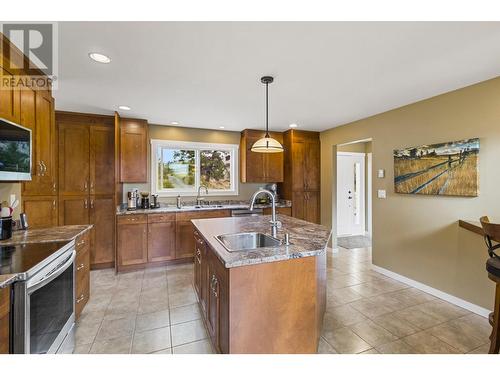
[306, 239]
[191, 206]
[53, 234]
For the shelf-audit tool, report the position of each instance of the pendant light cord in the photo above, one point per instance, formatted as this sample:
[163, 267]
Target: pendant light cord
[267, 110]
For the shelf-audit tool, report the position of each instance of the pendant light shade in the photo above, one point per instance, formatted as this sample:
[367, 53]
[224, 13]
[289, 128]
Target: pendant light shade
[267, 144]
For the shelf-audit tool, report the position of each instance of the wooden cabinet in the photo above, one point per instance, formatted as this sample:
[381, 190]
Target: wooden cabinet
[211, 280]
[170, 236]
[41, 211]
[306, 206]
[133, 150]
[161, 238]
[74, 164]
[132, 241]
[259, 167]
[102, 216]
[44, 172]
[9, 98]
[87, 180]
[302, 174]
[4, 319]
[185, 244]
[102, 160]
[82, 272]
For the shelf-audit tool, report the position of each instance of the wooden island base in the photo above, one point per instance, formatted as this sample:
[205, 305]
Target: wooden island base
[274, 307]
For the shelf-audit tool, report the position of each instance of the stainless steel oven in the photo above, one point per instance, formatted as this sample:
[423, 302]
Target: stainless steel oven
[44, 304]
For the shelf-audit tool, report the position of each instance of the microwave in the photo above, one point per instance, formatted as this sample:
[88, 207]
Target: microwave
[15, 152]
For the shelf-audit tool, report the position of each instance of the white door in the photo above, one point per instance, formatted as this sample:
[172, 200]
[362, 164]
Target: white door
[350, 193]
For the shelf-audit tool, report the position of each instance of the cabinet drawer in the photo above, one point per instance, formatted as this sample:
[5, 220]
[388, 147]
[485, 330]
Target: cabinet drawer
[160, 218]
[131, 219]
[186, 216]
[82, 269]
[82, 243]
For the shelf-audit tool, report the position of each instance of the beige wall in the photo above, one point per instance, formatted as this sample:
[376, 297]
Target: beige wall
[418, 236]
[177, 133]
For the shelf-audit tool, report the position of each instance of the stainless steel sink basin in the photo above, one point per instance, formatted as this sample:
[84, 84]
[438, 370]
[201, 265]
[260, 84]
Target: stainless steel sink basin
[247, 241]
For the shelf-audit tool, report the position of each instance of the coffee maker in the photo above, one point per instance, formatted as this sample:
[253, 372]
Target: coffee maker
[132, 200]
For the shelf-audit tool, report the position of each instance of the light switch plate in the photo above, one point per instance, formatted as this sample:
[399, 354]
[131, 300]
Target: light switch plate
[381, 194]
[381, 173]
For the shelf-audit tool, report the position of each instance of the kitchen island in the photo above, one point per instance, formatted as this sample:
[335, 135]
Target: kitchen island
[262, 300]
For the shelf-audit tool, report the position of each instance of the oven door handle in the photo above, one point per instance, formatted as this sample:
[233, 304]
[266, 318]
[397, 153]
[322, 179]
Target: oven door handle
[55, 272]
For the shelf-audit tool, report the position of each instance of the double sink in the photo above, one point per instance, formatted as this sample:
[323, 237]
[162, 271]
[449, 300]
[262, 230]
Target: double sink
[247, 241]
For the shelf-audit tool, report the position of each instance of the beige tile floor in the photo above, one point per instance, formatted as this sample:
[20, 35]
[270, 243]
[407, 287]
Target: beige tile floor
[155, 311]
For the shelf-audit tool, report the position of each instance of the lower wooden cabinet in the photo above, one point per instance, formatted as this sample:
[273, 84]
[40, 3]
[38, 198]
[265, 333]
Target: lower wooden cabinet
[306, 206]
[82, 272]
[132, 241]
[4, 319]
[156, 238]
[102, 216]
[41, 211]
[279, 210]
[161, 238]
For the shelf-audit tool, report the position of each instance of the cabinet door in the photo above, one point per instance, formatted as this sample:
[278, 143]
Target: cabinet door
[312, 212]
[74, 210]
[73, 159]
[298, 171]
[299, 205]
[40, 211]
[102, 160]
[133, 150]
[312, 166]
[213, 304]
[4, 320]
[102, 215]
[82, 279]
[161, 241]
[45, 143]
[255, 166]
[184, 240]
[132, 247]
[197, 269]
[28, 110]
[273, 163]
[9, 98]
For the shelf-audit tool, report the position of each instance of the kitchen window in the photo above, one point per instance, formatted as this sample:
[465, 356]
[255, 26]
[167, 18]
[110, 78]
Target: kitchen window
[182, 167]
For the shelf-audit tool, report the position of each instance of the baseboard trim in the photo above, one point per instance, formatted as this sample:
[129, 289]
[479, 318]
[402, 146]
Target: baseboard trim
[435, 292]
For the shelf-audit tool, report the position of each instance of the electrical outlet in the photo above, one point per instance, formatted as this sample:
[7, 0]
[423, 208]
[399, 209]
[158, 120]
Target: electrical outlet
[381, 173]
[381, 194]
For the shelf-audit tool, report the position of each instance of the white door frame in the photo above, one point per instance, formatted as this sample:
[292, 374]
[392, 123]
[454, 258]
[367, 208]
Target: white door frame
[369, 156]
[362, 192]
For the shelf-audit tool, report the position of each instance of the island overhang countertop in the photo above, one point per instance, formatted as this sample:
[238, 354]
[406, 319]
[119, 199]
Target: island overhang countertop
[306, 239]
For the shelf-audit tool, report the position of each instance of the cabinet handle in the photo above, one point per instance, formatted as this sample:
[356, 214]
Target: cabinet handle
[54, 204]
[40, 169]
[82, 242]
[85, 185]
[92, 203]
[85, 204]
[54, 186]
[91, 185]
[44, 168]
[80, 267]
[215, 283]
[80, 299]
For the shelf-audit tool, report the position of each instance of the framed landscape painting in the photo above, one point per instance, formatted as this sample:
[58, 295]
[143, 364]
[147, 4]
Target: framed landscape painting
[449, 168]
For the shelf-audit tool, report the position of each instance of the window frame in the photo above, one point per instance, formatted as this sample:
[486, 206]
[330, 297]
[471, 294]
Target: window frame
[197, 147]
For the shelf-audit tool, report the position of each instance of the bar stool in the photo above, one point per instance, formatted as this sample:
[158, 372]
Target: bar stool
[492, 234]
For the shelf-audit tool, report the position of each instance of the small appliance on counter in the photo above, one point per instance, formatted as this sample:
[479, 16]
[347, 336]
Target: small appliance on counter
[132, 199]
[145, 200]
[155, 203]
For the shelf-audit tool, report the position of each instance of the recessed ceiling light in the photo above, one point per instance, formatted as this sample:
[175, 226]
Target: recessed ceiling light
[174, 123]
[221, 127]
[124, 107]
[99, 57]
[293, 125]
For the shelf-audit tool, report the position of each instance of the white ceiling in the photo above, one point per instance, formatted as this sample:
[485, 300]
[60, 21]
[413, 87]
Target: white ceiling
[207, 75]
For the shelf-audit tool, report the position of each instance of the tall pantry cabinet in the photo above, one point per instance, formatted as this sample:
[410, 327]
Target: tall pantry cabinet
[87, 180]
[301, 182]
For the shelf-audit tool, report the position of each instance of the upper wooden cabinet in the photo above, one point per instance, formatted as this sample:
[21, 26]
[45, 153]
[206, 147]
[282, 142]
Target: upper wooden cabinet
[259, 167]
[133, 150]
[10, 99]
[37, 113]
[86, 156]
[41, 211]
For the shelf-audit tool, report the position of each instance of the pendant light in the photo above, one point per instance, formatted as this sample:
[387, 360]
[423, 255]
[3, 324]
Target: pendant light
[267, 144]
